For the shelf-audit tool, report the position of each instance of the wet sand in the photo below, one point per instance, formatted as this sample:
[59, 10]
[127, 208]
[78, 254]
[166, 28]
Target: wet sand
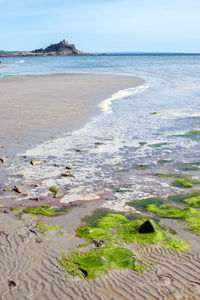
[37, 108]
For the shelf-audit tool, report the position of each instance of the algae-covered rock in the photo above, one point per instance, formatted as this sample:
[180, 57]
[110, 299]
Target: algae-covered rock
[146, 227]
[45, 210]
[57, 192]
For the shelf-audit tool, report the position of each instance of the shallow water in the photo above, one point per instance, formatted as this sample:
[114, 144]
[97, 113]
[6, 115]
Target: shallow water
[157, 113]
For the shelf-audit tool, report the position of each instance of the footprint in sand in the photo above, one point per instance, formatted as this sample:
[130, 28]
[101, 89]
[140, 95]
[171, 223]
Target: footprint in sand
[163, 279]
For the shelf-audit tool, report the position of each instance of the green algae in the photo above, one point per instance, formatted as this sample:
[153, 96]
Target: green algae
[163, 161]
[142, 143]
[190, 215]
[91, 264]
[14, 208]
[118, 228]
[193, 201]
[141, 204]
[158, 145]
[172, 231]
[57, 192]
[119, 190]
[111, 231]
[185, 183]
[44, 210]
[193, 135]
[189, 166]
[169, 175]
[45, 227]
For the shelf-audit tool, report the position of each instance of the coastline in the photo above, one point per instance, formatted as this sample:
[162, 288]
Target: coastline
[40, 107]
[30, 258]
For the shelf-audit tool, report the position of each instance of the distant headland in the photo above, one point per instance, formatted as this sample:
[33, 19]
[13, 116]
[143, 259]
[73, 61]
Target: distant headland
[63, 48]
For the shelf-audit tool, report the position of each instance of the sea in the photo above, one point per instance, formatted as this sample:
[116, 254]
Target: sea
[139, 139]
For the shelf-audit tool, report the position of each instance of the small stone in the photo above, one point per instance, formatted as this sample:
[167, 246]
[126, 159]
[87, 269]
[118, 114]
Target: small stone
[68, 167]
[3, 160]
[57, 192]
[11, 283]
[36, 162]
[98, 243]
[38, 240]
[146, 227]
[20, 189]
[68, 174]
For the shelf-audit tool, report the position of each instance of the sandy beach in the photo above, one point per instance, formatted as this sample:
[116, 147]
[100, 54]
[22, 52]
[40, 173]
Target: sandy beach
[37, 108]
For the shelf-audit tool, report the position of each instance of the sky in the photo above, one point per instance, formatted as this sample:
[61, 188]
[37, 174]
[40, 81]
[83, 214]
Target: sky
[102, 25]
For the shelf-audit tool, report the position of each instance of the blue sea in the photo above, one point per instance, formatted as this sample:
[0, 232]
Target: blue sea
[138, 134]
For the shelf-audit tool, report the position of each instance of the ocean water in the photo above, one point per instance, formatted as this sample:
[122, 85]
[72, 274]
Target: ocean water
[138, 132]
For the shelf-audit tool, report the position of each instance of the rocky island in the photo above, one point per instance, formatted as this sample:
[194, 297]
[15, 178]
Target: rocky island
[63, 48]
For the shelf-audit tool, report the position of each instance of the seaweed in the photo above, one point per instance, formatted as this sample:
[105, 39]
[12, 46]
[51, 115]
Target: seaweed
[91, 264]
[185, 183]
[142, 143]
[45, 227]
[189, 166]
[170, 175]
[45, 210]
[193, 201]
[141, 204]
[107, 234]
[190, 215]
[158, 145]
[15, 208]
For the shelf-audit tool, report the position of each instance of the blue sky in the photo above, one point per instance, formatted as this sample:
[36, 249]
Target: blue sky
[101, 25]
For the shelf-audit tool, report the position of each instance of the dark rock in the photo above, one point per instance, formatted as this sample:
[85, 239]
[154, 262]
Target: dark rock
[146, 227]
[98, 243]
[11, 283]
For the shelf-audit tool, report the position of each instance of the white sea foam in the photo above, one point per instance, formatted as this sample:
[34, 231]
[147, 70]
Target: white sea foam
[20, 61]
[122, 94]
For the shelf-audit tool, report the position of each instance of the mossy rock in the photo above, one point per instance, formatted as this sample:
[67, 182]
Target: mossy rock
[170, 175]
[57, 192]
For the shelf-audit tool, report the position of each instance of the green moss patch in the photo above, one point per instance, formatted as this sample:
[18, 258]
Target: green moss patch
[170, 175]
[108, 234]
[91, 264]
[14, 208]
[44, 210]
[141, 204]
[190, 215]
[185, 183]
[118, 228]
[194, 201]
[45, 227]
